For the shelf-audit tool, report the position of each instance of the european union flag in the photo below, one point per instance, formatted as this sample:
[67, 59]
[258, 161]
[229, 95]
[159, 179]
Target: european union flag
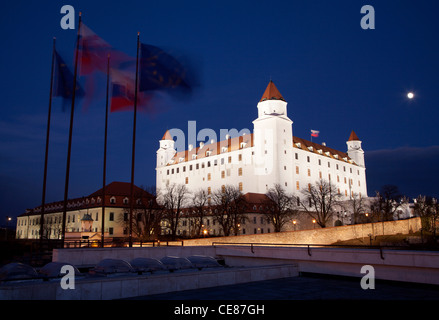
[63, 80]
[159, 70]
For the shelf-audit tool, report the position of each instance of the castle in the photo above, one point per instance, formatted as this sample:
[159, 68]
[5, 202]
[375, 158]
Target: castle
[257, 161]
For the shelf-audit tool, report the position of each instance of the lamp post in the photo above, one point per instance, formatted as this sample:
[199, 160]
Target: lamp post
[314, 222]
[294, 224]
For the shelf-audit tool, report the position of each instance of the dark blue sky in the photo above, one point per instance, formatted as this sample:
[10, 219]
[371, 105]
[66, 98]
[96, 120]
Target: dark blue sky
[335, 76]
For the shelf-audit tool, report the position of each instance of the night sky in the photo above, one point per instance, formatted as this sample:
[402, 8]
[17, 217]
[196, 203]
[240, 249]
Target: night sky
[335, 76]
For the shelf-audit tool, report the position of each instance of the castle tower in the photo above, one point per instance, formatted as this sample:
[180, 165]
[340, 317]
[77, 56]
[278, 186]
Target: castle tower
[354, 149]
[166, 150]
[273, 141]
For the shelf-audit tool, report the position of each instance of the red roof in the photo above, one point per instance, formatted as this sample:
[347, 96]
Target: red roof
[167, 136]
[353, 137]
[271, 93]
[118, 190]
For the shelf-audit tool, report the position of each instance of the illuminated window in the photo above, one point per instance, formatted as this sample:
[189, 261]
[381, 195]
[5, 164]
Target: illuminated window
[297, 185]
[240, 172]
[208, 177]
[297, 169]
[240, 186]
[309, 172]
[223, 174]
[187, 180]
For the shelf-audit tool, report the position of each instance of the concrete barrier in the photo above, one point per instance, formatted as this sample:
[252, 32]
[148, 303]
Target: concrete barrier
[135, 286]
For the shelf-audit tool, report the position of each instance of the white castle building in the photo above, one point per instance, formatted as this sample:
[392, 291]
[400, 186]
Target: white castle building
[257, 161]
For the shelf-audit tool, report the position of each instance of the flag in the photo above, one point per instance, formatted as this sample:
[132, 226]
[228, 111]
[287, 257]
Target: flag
[94, 52]
[63, 80]
[123, 92]
[314, 133]
[161, 71]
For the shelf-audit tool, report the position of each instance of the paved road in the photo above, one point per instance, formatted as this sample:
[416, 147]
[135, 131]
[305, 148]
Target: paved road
[309, 287]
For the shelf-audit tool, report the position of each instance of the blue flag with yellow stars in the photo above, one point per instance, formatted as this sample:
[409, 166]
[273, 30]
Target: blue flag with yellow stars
[161, 71]
[63, 80]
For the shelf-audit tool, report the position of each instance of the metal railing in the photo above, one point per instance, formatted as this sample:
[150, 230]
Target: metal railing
[252, 246]
[86, 243]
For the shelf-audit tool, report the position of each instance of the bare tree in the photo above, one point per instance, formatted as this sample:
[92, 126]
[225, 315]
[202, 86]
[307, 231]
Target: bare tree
[147, 214]
[318, 201]
[280, 207]
[427, 208]
[357, 206]
[229, 208]
[386, 203]
[200, 209]
[173, 198]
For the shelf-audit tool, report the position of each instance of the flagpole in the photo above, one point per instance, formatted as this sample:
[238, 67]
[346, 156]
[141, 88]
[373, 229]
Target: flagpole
[105, 153]
[43, 201]
[134, 144]
[69, 151]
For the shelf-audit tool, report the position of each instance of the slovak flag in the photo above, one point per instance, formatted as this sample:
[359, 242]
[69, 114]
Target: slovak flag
[314, 133]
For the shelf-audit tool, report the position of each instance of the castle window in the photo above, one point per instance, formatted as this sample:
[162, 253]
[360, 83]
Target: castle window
[309, 172]
[223, 174]
[240, 172]
[208, 164]
[329, 165]
[184, 169]
[297, 185]
[296, 155]
[320, 174]
[230, 159]
[320, 162]
[240, 157]
[197, 166]
[167, 172]
[208, 177]
[178, 170]
[307, 158]
[113, 200]
[187, 180]
[336, 166]
[223, 188]
[209, 190]
[110, 217]
[240, 186]
[172, 171]
[297, 169]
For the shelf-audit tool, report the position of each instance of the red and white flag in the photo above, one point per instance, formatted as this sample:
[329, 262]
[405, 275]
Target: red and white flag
[314, 133]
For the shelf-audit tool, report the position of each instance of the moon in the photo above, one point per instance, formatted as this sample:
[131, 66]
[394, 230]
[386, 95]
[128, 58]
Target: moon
[410, 95]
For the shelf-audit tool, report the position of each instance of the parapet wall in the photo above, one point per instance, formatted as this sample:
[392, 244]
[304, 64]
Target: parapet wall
[320, 235]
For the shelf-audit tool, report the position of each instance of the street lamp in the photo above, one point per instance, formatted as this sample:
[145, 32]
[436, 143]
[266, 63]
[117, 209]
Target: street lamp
[294, 224]
[314, 222]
